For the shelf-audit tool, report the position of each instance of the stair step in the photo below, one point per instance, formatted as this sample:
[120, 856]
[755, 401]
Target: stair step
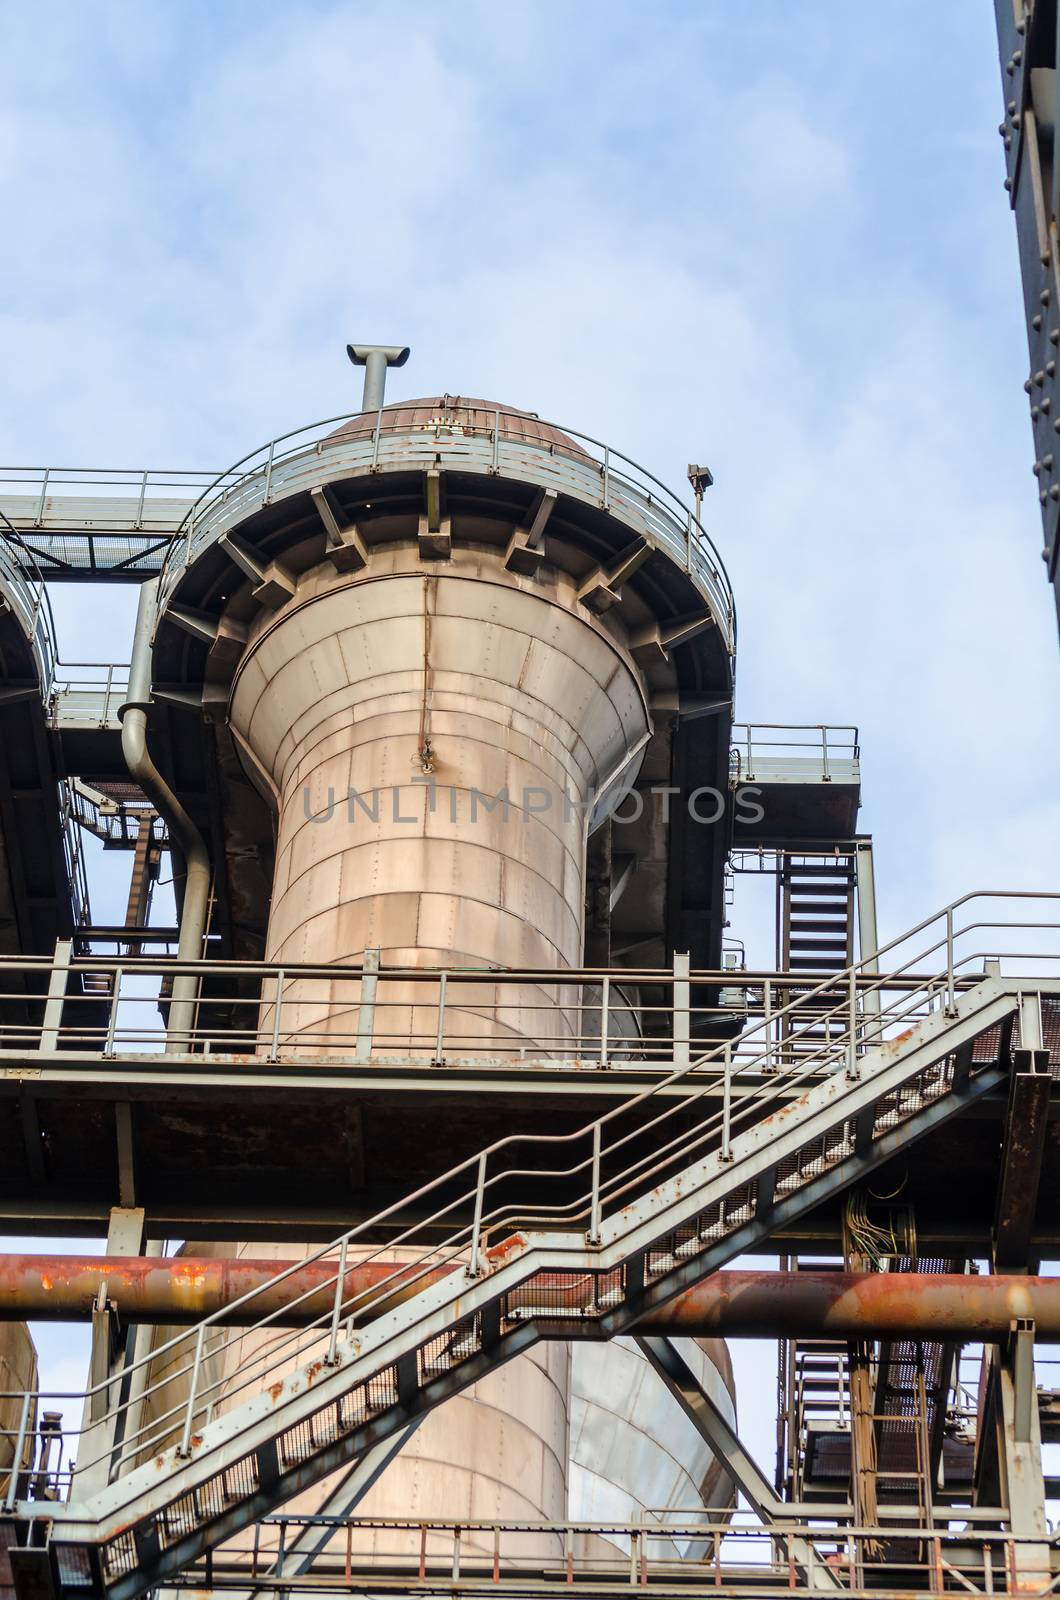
[344, 1406]
[821, 869]
[819, 891]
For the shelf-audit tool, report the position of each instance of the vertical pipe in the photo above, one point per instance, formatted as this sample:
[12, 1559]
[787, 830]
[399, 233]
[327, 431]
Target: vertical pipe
[183, 832]
[375, 365]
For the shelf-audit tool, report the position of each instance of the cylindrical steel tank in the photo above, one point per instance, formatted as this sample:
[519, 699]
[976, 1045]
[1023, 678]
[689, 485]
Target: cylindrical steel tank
[634, 1455]
[529, 707]
[438, 705]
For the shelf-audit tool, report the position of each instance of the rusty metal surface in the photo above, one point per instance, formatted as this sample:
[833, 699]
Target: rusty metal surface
[462, 414]
[950, 1306]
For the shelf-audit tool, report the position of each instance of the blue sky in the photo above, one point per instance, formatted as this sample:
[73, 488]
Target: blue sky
[776, 241]
[772, 238]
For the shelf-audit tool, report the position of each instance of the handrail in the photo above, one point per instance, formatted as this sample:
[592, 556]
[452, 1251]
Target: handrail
[827, 744]
[610, 479]
[471, 1186]
[21, 576]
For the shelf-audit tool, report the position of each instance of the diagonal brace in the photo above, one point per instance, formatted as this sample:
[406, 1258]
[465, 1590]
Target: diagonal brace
[715, 1427]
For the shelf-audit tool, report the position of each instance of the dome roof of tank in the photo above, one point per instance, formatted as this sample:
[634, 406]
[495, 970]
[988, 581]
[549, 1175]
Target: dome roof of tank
[455, 413]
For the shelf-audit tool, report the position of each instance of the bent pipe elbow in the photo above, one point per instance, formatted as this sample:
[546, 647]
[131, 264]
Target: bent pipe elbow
[182, 829]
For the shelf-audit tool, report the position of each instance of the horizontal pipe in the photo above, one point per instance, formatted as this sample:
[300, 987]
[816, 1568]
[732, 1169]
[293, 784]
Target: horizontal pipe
[181, 1290]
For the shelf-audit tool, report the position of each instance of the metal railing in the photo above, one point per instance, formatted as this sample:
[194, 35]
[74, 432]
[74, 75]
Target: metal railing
[22, 585]
[87, 694]
[590, 1018]
[777, 750]
[564, 1184]
[153, 500]
[492, 441]
[721, 1551]
[116, 822]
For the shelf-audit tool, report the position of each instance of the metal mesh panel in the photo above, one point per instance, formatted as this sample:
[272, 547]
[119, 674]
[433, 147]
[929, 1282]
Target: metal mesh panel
[117, 1559]
[305, 1438]
[985, 1049]
[919, 1091]
[447, 1350]
[200, 1506]
[369, 1398]
[816, 1156]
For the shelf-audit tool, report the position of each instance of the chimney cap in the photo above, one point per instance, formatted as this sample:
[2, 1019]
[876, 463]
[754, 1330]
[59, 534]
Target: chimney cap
[395, 354]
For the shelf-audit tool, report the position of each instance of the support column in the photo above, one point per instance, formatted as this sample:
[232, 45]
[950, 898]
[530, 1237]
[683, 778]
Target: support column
[1019, 1447]
[125, 1235]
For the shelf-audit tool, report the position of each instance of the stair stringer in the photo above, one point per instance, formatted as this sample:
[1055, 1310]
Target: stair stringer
[162, 1515]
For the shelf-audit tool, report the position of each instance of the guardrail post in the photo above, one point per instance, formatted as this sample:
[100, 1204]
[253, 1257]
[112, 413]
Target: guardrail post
[606, 501]
[852, 1023]
[868, 937]
[336, 1310]
[950, 986]
[38, 521]
[474, 1264]
[267, 496]
[53, 1006]
[825, 772]
[185, 1442]
[112, 1020]
[496, 463]
[274, 1052]
[366, 1007]
[605, 1018]
[682, 1012]
[767, 1020]
[593, 1235]
[726, 1105]
[439, 1041]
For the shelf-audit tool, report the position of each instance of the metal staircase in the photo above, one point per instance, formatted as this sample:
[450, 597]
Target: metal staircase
[815, 923]
[817, 916]
[566, 1236]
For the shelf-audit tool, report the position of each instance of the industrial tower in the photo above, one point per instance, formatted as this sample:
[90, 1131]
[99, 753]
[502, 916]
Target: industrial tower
[449, 1081]
[1027, 41]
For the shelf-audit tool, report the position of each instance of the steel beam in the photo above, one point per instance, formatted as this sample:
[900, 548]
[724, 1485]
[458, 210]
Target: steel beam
[716, 1429]
[1019, 1447]
[125, 1237]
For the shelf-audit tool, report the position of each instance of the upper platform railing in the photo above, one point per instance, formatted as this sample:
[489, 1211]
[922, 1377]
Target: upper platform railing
[812, 752]
[131, 523]
[22, 586]
[494, 441]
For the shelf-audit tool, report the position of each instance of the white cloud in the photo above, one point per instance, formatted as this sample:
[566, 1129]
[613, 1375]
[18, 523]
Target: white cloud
[737, 240]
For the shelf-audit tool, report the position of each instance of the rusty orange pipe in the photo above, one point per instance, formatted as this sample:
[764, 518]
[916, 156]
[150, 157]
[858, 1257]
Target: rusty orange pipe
[845, 1305]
